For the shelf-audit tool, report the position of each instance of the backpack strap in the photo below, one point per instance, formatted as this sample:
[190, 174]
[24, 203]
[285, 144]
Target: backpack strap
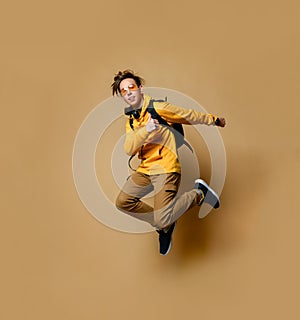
[176, 128]
[154, 114]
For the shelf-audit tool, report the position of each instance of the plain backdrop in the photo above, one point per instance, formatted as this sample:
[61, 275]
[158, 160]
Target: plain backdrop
[238, 59]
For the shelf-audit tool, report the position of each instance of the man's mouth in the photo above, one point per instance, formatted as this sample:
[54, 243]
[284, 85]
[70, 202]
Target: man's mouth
[132, 98]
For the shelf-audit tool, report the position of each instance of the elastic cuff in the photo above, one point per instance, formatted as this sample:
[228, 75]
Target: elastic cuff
[199, 197]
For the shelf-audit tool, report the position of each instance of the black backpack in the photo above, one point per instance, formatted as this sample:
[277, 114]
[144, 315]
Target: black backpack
[176, 128]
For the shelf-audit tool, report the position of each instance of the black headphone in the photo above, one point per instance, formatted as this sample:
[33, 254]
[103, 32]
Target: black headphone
[135, 113]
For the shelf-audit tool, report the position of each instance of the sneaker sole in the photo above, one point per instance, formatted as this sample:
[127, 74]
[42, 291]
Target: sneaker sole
[215, 200]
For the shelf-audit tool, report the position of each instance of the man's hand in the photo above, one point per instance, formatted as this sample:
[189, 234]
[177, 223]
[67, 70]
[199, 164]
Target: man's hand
[151, 124]
[220, 122]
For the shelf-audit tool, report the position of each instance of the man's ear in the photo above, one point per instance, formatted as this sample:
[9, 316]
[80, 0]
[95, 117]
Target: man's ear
[141, 89]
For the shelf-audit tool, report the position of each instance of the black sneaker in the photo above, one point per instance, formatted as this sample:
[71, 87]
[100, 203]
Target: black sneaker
[165, 239]
[210, 195]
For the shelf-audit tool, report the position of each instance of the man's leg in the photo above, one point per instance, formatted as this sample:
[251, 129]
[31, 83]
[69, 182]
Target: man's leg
[128, 201]
[165, 188]
[168, 207]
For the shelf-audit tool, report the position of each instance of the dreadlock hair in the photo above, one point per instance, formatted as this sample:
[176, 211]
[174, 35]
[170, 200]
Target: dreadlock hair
[126, 74]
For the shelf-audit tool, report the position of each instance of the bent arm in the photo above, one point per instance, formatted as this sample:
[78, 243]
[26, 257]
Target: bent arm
[134, 139]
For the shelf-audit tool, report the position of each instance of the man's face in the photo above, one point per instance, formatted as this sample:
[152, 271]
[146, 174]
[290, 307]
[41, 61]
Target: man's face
[131, 93]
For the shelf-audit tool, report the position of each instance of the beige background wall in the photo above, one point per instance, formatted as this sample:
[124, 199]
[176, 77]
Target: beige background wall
[239, 59]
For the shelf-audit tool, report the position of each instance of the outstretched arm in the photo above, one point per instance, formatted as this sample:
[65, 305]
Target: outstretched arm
[175, 114]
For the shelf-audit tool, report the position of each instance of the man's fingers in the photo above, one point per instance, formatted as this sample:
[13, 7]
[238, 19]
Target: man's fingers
[150, 119]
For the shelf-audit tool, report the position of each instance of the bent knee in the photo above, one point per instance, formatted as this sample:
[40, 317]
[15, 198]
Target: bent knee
[120, 201]
[123, 201]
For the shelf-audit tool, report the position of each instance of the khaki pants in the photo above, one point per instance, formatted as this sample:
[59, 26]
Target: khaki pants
[168, 207]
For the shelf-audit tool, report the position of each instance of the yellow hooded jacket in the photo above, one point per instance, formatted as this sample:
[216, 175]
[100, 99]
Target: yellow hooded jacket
[157, 149]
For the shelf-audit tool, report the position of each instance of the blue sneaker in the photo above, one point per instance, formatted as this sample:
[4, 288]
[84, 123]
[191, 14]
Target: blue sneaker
[210, 195]
[165, 239]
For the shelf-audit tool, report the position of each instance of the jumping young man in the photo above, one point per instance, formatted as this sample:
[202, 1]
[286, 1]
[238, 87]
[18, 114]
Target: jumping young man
[159, 170]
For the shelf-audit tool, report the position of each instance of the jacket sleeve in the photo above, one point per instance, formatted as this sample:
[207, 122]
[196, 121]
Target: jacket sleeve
[134, 139]
[172, 113]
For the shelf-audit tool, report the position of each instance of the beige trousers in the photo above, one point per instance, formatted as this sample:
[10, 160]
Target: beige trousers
[167, 208]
